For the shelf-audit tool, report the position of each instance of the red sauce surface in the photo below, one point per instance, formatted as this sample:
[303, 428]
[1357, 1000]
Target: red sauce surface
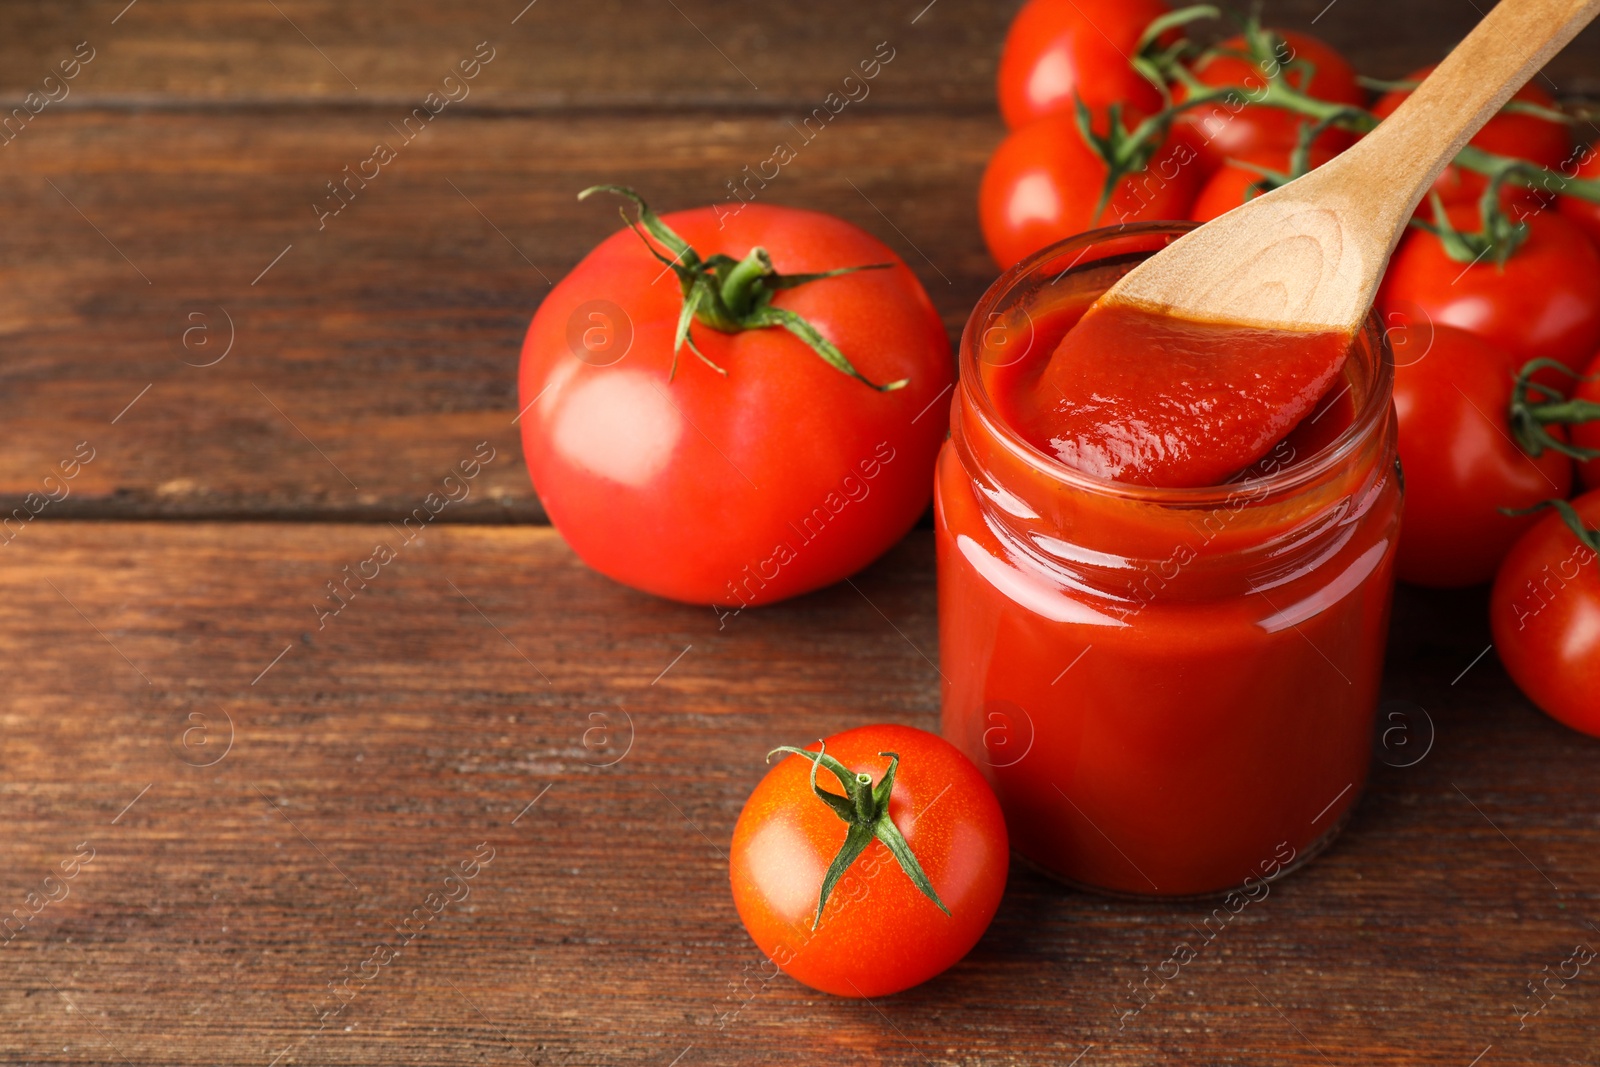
[1136, 396]
[1168, 699]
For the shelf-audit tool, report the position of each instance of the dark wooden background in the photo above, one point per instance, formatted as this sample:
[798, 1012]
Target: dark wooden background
[160, 617]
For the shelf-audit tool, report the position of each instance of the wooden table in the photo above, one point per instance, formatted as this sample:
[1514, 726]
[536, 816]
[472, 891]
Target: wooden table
[248, 801]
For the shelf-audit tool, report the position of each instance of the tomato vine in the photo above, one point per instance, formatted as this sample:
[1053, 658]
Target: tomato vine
[1127, 151]
[1535, 407]
[729, 295]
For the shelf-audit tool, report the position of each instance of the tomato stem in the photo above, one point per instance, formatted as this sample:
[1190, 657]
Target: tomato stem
[1171, 65]
[1156, 62]
[730, 295]
[1535, 407]
[1586, 536]
[865, 808]
[1497, 237]
[1123, 151]
[1385, 85]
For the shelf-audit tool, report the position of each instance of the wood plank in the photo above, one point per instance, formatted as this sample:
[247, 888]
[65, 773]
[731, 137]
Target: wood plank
[385, 747]
[377, 352]
[607, 53]
[597, 54]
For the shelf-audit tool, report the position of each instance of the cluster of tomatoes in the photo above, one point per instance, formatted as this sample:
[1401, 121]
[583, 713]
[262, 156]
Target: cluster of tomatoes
[1491, 303]
[768, 425]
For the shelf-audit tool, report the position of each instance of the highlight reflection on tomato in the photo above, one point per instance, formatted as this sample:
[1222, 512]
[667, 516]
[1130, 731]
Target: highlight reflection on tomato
[1042, 185]
[1462, 464]
[1544, 301]
[1061, 50]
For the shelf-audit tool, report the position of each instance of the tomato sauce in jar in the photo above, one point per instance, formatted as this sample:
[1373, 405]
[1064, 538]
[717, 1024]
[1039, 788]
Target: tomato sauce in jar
[1170, 689]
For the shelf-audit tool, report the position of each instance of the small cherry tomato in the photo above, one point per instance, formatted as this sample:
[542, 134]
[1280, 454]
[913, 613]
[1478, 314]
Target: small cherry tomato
[1238, 180]
[1544, 301]
[751, 458]
[1545, 613]
[1059, 50]
[1237, 128]
[1462, 462]
[1042, 185]
[875, 874]
[1511, 133]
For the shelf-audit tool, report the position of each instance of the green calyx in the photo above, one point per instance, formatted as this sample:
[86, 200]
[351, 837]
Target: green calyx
[1536, 407]
[1265, 49]
[1129, 151]
[1124, 151]
[865, 809]
[729, 295]
[1496, 240]
[1586, 535]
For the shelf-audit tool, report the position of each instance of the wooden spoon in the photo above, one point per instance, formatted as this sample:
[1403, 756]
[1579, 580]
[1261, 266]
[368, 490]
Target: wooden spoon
[1309, 256]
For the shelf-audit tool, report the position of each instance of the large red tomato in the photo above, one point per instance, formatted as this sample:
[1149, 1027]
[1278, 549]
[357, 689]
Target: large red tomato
[1543, 302]
[1237, 128]
[1545, 614]
[780, 474]
[1510, 133]
[1043, 182]
[1059, 50]
[879, 931]
[1461, 463]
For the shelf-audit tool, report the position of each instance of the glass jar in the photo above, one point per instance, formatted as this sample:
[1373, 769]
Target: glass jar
[1172, 691]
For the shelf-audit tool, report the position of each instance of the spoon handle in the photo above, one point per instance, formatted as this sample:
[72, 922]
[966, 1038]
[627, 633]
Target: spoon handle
[1507, 47]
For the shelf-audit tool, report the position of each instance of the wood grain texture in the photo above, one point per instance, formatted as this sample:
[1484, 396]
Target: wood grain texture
[611, 53]
[382, 347]
[383, 749]
[486, 670]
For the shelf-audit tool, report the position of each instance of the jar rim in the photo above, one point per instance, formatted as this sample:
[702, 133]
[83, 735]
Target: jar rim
[974, 391]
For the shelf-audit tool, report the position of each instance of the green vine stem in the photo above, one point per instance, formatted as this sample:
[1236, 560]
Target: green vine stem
[1536, 407]
[1587, 536]
[1126, 151]
[865, 809]
[1496, 238]
[1153, 60]
[729, 295]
